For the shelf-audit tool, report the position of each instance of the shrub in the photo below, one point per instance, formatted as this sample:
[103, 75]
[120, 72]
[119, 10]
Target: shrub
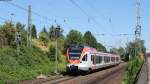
[51, 53]
[30, 63]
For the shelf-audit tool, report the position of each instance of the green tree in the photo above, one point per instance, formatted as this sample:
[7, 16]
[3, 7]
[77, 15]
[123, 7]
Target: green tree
[21, 30]
[8, 31]
[120, 51]
[20, 27]
[89, 39]
[51, 32]
[44, 30]
[51, 53]
[100, 47]
[136, 48]
[43, 36]
[74, 37]
[114, 50]
[34, 32]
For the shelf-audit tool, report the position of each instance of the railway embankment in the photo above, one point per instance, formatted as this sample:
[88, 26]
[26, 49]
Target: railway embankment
[97, 77]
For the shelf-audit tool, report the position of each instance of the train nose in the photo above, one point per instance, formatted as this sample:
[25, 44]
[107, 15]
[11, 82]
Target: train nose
[73, 68]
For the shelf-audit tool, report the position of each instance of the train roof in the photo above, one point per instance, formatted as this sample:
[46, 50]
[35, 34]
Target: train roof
[79, 45]
[103, 53]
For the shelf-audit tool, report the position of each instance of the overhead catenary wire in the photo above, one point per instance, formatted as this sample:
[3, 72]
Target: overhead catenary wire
[3, 18]
[94, 9]
[33, 12]
[121, 34]
[83, 11]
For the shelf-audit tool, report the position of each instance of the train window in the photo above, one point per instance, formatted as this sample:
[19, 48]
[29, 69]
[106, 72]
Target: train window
[105, 59]
[97, 59]
[92, 57]
[100, 59]
[113, 59]
[74, 56]
[84, 58]
[108, 59]
[117, 59]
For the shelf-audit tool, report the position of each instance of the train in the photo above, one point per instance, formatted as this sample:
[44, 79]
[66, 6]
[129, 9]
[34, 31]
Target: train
[87, 59]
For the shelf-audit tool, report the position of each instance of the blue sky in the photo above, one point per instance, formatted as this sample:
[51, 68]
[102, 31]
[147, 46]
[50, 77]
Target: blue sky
[110, 17]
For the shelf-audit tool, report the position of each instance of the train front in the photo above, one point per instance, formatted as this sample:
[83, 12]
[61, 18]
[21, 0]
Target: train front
[73, 57]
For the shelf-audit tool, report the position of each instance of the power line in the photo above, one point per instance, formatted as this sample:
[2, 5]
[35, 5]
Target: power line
[3, 18]
[122, 34]
[33, 12]
[83, 11]
[94, 9]
[73, 2]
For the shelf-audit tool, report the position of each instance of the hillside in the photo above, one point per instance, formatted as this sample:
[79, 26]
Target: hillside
[30, 63]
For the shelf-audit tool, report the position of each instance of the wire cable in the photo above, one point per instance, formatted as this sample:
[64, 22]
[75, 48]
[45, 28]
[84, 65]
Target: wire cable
[33, 12]
[3, 18]
[83, 11]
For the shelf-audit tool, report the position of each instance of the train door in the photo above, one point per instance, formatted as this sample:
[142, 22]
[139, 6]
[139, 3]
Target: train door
[93, 61]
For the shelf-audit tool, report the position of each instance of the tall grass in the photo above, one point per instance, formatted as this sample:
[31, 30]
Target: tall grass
[133, 68]
[29, 64]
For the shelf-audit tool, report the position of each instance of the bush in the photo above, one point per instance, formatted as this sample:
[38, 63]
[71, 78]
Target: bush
[51, 53]
[30, 63]
[135, 62]
[132, 71]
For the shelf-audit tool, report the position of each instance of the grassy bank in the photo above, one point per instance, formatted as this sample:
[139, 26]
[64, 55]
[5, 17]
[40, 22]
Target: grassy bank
[29, 64]
[133, 68]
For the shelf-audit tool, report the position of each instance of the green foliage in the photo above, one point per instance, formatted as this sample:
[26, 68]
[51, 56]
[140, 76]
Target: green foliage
[135, 53]
[74, 37]
[55, 32]
[51, 53]
[89, 39]
[114, 50]
[43, 36]
[34, 32]
[30, 63]
[121, 51]
[7, 34]
[52, 32]
[44, 30]
[100, 47]
[132, 71]
[21, 30]
[20, 27]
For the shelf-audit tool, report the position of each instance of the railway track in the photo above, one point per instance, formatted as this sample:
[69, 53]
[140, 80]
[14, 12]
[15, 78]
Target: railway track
[56, 81]
[99, 77]
[95, 77]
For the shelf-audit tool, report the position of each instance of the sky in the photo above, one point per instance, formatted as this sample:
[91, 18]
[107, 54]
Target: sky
[106, 19]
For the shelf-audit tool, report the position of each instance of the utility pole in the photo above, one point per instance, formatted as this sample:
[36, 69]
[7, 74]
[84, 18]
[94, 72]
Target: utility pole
[138, 24]
[56, 56]
[57, 35]
[29, 33]
[17, 36]
[18, 42]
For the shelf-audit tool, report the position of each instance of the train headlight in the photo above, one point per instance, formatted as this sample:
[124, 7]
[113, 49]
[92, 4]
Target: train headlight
[73, 62]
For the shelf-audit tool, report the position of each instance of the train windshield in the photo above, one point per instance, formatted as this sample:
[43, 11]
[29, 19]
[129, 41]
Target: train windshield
[75, 53]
